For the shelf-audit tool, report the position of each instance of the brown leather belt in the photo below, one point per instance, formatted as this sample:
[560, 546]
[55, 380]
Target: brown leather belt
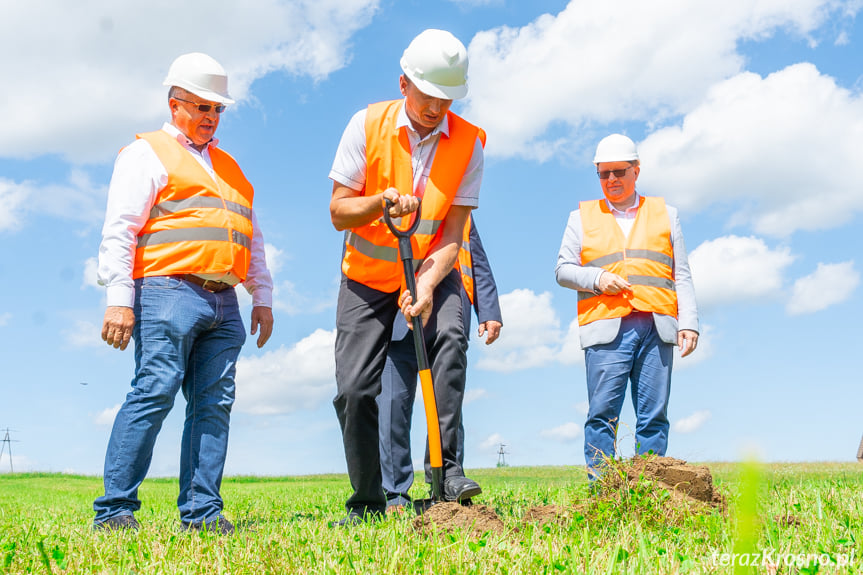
[209, 285]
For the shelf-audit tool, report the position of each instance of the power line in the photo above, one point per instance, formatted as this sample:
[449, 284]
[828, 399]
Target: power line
[7, 445]
[501, 456]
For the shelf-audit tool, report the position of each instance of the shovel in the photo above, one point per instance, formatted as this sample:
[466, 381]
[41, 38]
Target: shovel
[432, 422]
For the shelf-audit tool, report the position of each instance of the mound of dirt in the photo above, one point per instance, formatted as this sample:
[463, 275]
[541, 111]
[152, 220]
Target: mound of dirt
[694, 482]
[544, 514]
[475, 520]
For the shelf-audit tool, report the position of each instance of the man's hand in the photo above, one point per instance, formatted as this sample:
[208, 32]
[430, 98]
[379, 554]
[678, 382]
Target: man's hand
[422, 308]
[687, 340]
[117, 326]
[262, 317]
[402, 205]
[491, 327]
[612, 284]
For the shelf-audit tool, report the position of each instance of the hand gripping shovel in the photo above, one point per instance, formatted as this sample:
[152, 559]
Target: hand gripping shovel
[432, 422]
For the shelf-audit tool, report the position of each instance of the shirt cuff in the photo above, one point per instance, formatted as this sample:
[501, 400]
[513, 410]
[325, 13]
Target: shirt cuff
[262, 297]
[120, 296]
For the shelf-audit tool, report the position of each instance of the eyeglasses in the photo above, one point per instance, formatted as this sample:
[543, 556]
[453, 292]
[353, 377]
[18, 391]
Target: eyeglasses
[204, 108]
[605, 174]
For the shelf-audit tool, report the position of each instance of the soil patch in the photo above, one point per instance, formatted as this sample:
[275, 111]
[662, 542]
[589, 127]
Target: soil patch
[544, 514]
[474, 520]
[685, 482]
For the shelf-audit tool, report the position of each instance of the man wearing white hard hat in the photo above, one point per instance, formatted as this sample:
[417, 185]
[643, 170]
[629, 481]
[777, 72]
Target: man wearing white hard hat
[180, 232]
[402, 150]
[625, 256]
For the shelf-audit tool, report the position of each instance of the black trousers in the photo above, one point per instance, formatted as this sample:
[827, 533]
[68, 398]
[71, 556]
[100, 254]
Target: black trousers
[364, 321]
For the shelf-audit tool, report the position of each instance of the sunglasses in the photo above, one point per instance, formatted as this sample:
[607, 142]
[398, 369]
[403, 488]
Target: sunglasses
[204, 108]
[605, 174]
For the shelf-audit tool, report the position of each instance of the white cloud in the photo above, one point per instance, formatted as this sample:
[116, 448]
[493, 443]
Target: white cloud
[20, 463]
[768, 148]
[472, 3]
[91, 275]
[567, 433]
[107, 415]
[492, 442]
[77, 200]
[583, 407]
[571, 352]
[705, 350]
[288, 379]
[472, 395]
[532, 86]
[732, 268]
[108, 52]
[692, 422]
[275, 258]
[12, 198]
[84, 334]
[829, 284]
[4, 318]
[532, 335]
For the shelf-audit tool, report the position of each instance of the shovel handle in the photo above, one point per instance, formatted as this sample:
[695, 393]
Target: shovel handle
[388, 203]
[429, 402]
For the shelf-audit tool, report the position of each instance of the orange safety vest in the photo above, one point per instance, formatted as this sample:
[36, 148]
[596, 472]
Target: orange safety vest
[465, 262]
[644, 259]
[197, 224]
[371, 251]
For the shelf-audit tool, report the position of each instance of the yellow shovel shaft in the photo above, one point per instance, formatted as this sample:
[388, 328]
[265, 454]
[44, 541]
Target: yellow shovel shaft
[435, 450]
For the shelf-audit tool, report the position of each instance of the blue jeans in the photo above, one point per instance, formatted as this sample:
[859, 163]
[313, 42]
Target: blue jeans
[185, 338]
[637, 355]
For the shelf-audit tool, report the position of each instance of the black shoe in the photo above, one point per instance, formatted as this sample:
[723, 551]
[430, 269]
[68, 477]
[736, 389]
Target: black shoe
[460, 488]
[219, 526]
[356, 518]
[117, 523]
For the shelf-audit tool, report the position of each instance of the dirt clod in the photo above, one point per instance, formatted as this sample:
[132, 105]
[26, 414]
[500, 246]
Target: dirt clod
[686, 483]
[474, 520]
[544, 514]
[787, 520]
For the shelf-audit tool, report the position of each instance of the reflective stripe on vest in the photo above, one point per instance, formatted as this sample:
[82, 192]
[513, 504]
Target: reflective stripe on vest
[197, 224]
[644, 258]
[371, 251]
[465, 262]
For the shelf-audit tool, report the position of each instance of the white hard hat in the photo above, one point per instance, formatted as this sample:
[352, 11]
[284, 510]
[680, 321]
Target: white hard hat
[615, 148]
[436, 62]
[200, 75]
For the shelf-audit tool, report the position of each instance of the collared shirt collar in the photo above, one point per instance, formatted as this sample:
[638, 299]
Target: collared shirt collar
[183, 139]
[629, 210]
[403, 120]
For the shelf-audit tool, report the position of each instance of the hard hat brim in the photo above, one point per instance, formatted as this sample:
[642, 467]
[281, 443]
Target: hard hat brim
[618, 158]
[437, 90]
[199, 91]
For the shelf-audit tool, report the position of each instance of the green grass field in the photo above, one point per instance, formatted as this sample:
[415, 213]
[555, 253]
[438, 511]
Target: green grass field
[799, 518]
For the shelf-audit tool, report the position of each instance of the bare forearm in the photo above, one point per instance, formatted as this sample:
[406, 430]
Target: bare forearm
[354, 211]
[443, 254]
[437, 266]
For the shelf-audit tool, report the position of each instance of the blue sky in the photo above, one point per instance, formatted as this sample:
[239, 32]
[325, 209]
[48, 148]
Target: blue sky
[748, 116]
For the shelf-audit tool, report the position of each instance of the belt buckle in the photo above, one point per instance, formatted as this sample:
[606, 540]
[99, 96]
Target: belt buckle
[204, 285]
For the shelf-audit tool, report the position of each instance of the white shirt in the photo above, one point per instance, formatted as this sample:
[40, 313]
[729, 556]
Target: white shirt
[625, 218]
[138, 178]
[349, 166]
